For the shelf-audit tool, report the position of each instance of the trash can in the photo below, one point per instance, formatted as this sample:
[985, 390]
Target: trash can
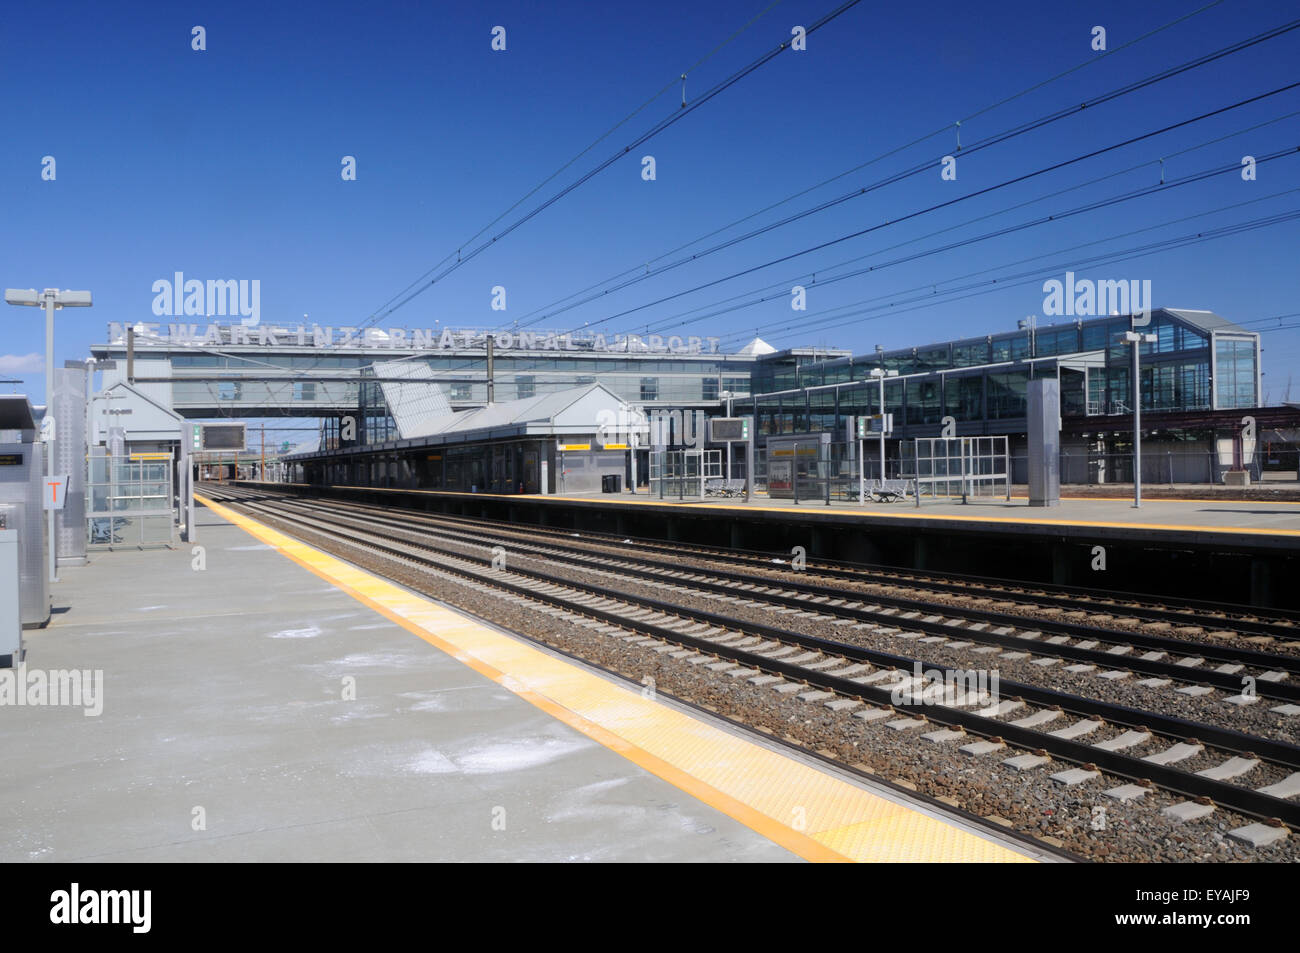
[611, 483]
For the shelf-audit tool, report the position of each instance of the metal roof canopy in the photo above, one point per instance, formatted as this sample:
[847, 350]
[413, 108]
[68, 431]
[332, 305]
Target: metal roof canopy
[572, 411]
[16, 412]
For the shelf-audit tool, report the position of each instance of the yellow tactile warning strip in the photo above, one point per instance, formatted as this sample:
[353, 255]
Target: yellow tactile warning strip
[1024, 520]
[809, 812]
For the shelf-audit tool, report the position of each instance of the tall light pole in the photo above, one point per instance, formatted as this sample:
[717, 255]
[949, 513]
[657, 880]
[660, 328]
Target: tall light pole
[1136, 339]
[727, 396]
[51, 299]
[880, 374]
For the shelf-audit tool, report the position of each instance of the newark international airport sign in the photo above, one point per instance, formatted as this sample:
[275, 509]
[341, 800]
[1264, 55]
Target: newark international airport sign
[405, 339]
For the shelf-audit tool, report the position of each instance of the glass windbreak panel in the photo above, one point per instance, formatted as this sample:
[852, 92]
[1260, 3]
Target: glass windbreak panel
[1006, 396]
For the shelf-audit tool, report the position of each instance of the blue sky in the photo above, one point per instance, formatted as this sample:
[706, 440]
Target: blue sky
[226, 163]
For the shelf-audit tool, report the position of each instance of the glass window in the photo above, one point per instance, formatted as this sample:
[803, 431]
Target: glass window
[649, 388]
[963, 397]
[893, 399]
[1234, 384]
[525, 386]
[1006, 397]
[1050, 341]
[933, 359]
[923, 401]
[822, 409]
[970, 354]
[1094, 336]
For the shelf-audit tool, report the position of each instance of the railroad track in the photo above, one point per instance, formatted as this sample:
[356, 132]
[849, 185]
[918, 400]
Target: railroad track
[1082, 646]
[865, 683]
[1225, 619]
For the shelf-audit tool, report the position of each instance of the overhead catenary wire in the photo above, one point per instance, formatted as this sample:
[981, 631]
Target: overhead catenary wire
[592, 145]
[1078, 210]
[829, 314]
[820, 278]
[988, 286]
[880, 157]
[385, 309]
[820, 246]
[918, 169]
[668, 121]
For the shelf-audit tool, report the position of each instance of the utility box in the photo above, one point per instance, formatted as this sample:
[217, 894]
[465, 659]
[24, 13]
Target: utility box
[11, 626]
[22, 490]
[1044, 419]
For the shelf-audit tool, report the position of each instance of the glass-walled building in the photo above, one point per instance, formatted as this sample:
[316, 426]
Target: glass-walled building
[1198, 362]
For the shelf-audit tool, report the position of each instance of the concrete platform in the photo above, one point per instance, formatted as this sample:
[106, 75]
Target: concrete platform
[1246, 518]
[228, 734]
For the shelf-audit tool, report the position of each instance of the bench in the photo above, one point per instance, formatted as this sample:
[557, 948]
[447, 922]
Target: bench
[726, 488]
[884, 491]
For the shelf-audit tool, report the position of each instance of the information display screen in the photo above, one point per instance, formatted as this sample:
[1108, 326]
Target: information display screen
[728, 428]
[223, 436]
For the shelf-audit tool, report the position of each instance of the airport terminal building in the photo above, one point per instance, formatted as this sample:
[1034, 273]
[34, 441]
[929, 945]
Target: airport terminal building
[1201, 386]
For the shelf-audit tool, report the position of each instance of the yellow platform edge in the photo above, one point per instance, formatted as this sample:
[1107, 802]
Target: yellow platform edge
[896, 513]
[813, 814]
